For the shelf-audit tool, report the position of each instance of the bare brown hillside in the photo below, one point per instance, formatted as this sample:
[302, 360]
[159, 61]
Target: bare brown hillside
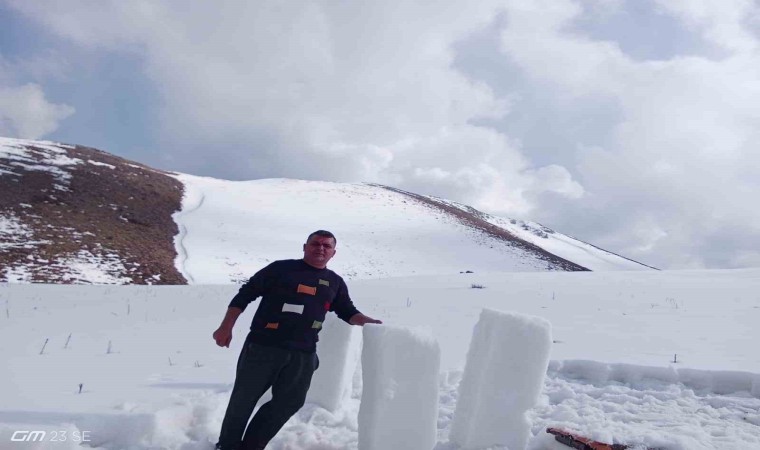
[70, 213]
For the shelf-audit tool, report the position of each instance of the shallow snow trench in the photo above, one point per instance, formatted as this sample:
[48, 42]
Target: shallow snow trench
[651, 413]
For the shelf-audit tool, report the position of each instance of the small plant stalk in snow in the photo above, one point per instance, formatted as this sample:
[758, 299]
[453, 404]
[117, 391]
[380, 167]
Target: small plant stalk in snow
[44, 345]
[80, 387]
[66, 345]
[109, 348]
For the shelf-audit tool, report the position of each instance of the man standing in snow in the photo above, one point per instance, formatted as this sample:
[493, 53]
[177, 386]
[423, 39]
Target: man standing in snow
[280, 350]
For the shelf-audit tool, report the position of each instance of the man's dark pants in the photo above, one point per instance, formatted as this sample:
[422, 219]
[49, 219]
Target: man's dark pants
[288, 372]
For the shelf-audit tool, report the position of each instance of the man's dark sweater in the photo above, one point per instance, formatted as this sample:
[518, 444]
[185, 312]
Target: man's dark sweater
[295, 300]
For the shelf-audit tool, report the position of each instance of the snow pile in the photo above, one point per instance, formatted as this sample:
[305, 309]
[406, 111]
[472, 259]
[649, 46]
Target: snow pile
[503, 376]
[41, 156]
[648, 413]
[399, 405]
[338, 350]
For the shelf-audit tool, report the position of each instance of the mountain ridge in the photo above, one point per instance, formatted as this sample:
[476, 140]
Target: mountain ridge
[74, 214]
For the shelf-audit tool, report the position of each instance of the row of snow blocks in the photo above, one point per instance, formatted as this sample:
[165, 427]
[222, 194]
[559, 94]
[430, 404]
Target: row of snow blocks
[399, 405]
[503, 377]
[331, 383]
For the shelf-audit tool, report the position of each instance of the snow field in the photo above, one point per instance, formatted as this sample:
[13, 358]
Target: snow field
[506, 365]
[166, 385]
[399, 403]
[645, 413]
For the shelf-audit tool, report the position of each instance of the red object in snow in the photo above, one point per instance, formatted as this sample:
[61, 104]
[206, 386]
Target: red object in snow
[580, 442]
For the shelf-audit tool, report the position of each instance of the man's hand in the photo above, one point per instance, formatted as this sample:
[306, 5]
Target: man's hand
[223, 336]
[360, 319]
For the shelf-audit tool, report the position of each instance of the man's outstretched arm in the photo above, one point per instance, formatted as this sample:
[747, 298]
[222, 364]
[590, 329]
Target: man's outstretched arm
[360, 319]
[223, 334]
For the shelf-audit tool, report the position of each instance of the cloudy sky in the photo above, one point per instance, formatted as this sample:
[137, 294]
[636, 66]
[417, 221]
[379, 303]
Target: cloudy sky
[627, 123]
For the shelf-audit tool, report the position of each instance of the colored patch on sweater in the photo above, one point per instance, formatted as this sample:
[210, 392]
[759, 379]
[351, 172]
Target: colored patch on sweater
[317, 324]
[287, 307]
[324, 283]
[302, 289]
[272, 325]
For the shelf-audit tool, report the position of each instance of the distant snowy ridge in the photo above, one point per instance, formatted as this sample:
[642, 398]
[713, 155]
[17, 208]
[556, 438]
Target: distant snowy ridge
[241, 226]
[72, 214]
[559, 245]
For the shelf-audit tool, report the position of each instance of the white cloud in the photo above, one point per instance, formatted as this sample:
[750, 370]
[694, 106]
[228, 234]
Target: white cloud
[680, 167]
[336, 90]
[25, 113]
[722, 21]
[369, 91]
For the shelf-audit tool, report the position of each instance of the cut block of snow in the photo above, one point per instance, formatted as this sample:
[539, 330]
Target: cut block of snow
[399, 405]
[503, 376]
[339, 349]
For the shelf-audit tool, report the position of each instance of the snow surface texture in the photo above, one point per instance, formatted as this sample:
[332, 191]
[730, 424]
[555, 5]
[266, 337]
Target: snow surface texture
[14, 233]
[43, 156]
[332, 382]
[399, 404]
[165, 384]
[231, 229]
[506, 363]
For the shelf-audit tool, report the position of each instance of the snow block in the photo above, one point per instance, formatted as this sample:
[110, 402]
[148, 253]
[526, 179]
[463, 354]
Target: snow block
[399, 405]
[503, 377]
[338, 351]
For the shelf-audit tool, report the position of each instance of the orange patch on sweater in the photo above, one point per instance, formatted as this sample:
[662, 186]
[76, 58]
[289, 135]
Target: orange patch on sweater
[272, 325]
[307, 290]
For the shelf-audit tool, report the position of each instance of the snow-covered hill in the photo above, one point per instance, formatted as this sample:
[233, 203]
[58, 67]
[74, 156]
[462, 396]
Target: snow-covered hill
[71, 214]
[228, 230]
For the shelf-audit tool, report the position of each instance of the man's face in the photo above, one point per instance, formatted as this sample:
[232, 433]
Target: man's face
[318, 250]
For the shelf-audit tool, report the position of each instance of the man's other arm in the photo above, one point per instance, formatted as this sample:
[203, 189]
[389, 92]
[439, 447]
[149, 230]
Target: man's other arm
[250, 291]
[223, 334]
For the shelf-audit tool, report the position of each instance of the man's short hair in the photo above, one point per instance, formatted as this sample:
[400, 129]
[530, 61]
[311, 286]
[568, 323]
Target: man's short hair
[323, 233]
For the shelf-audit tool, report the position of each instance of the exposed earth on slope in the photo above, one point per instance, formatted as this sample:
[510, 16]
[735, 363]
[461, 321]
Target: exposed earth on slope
[73, 214]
